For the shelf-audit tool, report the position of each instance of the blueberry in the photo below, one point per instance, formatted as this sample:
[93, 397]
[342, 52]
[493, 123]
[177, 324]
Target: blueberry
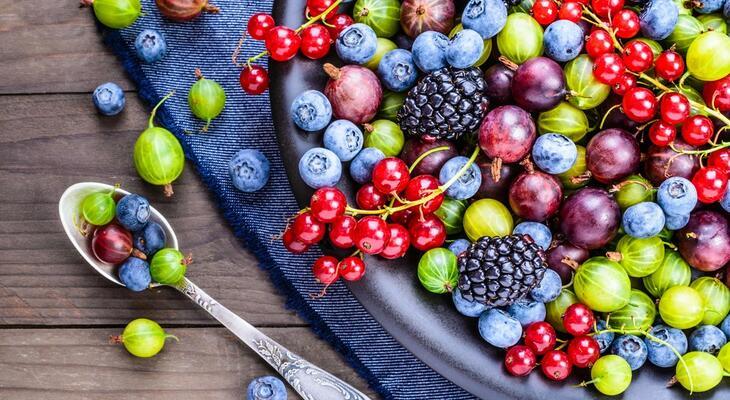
[135, 274]
[661, 355]
[549, 287]
[397, 70]
[356, 44]
[311, 111]
[465, 49]
[150, 46]
[459, 246]
[604, 339]
[677, 196]
[487, 17]
[658, 19]
[709, 6]
[109, 99]
[726, 9]
[527, 312]
[539, 233]
[499, 329]
[266, 388]
[467, 185]
[151, 239]
[725, 327]
[554, 153]
[361, 167]
[725, 201]
[563, 40]
[707, 338]
[675, 222]
[344, 139]
[632, 349]
[643, 220]
[429, 51]
[249, 170]
[319, 168]
[465, 307]
[133, 212]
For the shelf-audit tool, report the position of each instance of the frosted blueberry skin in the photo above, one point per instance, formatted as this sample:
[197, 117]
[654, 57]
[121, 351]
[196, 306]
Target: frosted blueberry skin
[554, 153]
[549, 287]
[643, 220]
[661, 355]
[499, 328]
[725, 326]
[151, 239]
[344, 139]
[311, 111]
[487, 17]
[150, 46]
[320, 168]
[658, 19]
[465, 49]
[266, 388]
[467, 185]
[563, 40]
[397, 70]
[675, 222]
[527, 312]
[133, 212]
[465, 307]
[539, 233]
[109, 99]
[725, 201]
[459, 246]
[632, 349]
[356, 44]
[677, 196]
[604, 339]
[134, 273]
[361, 167]
[707, 338]
[710, 6]
[429, 51]
[249, 170]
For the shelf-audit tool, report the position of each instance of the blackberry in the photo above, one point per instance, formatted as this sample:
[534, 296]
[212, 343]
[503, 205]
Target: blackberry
[500, 271]
[446, 104]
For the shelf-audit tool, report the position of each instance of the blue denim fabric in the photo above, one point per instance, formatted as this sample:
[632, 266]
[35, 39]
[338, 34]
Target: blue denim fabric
[208, 43]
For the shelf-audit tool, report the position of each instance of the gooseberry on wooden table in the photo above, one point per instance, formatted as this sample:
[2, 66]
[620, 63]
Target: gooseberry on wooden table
[143, 338]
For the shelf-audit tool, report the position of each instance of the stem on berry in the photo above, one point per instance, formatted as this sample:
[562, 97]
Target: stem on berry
[151, 123]
[424, 155]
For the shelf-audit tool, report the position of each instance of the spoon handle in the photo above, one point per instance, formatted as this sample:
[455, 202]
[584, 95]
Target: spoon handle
[310, 381]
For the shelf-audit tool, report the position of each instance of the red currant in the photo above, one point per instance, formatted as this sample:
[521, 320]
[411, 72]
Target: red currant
[291, 244]
[545, 12]
[390, 175]
[583, 351]
[598, 42]
[327, 204]
[608, 68]
[316, 41]
[259, 25]
[308, 229]
[607, 8]
[669, 65]
[626, 23]
[624, 83]
[325, 270]
[520, 360]
[371, 234]
[282, 43]
[422, 186]
[637, 56]
[697, 130]
[352, 268]
[578, 319]
[402, 217]
[254, 79]
[717, 94]
[317, 7]
[427, 232]
[336, 23]
[710, 183]
[639, 104]
[556, 365]
[398, 244]
[369, 198]
[674, 108]
[540, 337]
[341, 232]
[720, 159]
[571, 10]
[662, 133]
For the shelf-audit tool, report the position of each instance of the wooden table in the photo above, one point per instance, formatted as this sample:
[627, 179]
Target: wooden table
[56, 313]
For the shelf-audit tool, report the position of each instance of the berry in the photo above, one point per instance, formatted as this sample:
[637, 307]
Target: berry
[109, 99]
[669, 65]
[390, 175]
[259, 25]
[623, 84]
[583, 351]
[344, 139]
[658, 19]
[423, 186]
[720, 159]
[674, 108]
[341, 232]
[361, 167]
[639, 104]
[465, 307]
[282, 43]
[327, 204]
[291, 244]
[464, 49]
[520, 360]
[150, 46]
[150, 239]
[336, 23]
[499, 329]
[398, 244]
[352, 268]
[598, 42]
[539, 233]
[325, 270]
[707, 338]
[554, 153]
[429, 51]
[397, 70]
[254, 79]
[632, 349]
[249, 170]
[549, 287]
[608, 68]
[660, 354]
[134, 273]
[320, 167]
[369, 198]
[540, 337]
[311, 111]
[459, 246]
[677, 196]
[356, 44]
[266, 387]
[662, 133]
[571, 10]
[563, 40]
[643, 220]
[527, 311]
[487, 17]
[710, 183]
[638, 56]
[607, 8]
[316, 41]
[626, 23]
[317, 7]
[697, 130]
[545, 11]
[604, 339]
[556, 365]
[371, 234]
[307, 229]
[427, 232]
[717, 93]
[133, 212]
[578, 319]
[467, 185]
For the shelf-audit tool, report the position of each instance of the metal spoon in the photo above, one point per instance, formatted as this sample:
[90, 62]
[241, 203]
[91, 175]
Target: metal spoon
[310, 381]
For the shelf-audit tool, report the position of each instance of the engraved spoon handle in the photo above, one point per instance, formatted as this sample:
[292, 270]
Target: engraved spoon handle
[310, 381]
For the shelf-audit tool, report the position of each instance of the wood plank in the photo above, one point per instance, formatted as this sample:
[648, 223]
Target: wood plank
[51, 142]
[206, 363]
[53, 46]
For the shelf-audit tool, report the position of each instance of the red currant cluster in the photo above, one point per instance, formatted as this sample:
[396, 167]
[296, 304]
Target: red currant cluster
[282, 43]
[540, 340]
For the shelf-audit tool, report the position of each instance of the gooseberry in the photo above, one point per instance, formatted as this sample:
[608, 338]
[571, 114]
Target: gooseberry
[699, 371]
[143, 338]
[437, 270]
[681, 307]
[185, 10]
[611, 375]
[112, 244]
[168, 266]
[99, 208]
[206, 99]
[115, 14]
[602, 285]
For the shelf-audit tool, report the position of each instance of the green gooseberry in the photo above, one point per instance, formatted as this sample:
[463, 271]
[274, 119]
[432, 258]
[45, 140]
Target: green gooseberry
[700, 371]
[143, 338]
[673, 271]
[555, 309]
[724, 357]
[206, 99]
[116, 14]
[383, 46]
[99, 208]
[487, 217]
[716, 297]
[158, 155]
[564, 119]
[451, 213]
[487, 46]
[520, 39]
[602, 285]
[694, 96]
[611, 375]
[639, 256]
[586, 91]
[708, 57]
[437, 271]
[168, 266]
[524, 6]
[688, 28]
[681, 307]
[713, 22]
[638, 314]
[572, 178]
[390, 105]
[384, 135]
[633, 190]
[682, 7]
[381, 15]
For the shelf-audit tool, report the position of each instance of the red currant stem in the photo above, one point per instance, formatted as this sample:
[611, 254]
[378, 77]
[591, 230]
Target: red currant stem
[717, 135]
[586, 383]
[700, 152]
[603, 120]
[562, 345]
[426, 154]
[151, 123]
